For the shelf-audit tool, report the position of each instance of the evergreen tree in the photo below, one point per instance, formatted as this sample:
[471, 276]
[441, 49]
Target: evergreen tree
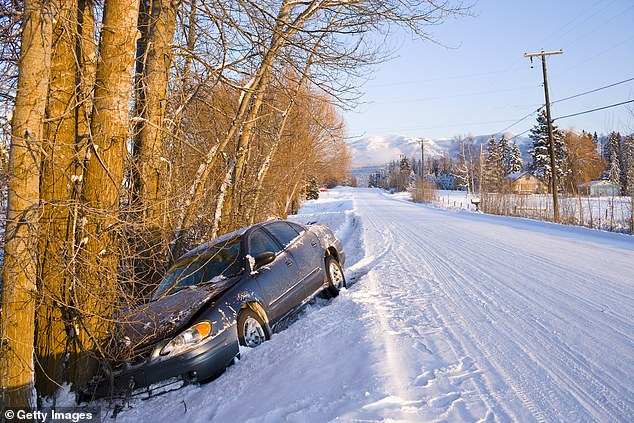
[405, 174]
[628, 167]
[613, 146]
[515, 160]
[505, 151]
[614, 172]
[617, 160]
[494, 168]
[312, 189]
[541, 151]
[595, 139]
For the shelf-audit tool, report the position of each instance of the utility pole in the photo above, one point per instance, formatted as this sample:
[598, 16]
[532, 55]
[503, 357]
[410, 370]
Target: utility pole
[553, 164]
[422, 168]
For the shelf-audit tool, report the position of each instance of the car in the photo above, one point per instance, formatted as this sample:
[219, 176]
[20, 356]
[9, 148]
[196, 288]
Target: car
[235, 290]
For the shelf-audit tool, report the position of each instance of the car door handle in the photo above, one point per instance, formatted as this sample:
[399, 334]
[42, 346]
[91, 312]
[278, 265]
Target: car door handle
[289, 263]
[313, 243]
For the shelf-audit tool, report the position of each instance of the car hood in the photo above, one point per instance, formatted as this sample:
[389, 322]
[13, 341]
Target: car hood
[164, 317]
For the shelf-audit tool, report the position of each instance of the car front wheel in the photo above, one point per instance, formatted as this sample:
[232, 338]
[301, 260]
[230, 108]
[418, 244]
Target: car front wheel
[251, 329]
[336, 280]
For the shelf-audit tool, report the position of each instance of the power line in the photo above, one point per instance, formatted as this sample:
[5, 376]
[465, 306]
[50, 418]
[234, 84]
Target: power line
[593, 91]
[518, 135]
[593, 110]
[516, 122]
[420, 81]
[593, 57]
[414, 100]
[563, 99]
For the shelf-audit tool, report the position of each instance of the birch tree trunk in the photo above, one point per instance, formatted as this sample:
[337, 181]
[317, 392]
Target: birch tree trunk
[103, 179]
[245, 117]
[20, 265]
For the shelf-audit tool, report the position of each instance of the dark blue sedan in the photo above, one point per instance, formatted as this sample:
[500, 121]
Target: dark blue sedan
[235, 290]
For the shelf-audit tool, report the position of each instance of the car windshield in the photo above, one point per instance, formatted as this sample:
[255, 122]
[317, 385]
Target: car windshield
[212, 265]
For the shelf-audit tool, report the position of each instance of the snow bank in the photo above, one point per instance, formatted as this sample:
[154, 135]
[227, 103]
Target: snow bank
[308, 372]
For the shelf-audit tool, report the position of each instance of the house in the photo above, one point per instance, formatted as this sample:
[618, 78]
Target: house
[526, 183]
[600, 188]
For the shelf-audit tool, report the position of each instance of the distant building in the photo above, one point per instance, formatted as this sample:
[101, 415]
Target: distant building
[526, 183]
[600, 188]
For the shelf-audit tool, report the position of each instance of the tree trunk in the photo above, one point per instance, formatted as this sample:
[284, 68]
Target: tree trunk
[20, 265]
[261, 81]
[103, 179]
[247, 112]
[56, 192]
[154, 58]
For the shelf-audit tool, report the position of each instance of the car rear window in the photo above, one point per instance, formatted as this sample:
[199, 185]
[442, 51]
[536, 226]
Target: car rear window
[284, 233]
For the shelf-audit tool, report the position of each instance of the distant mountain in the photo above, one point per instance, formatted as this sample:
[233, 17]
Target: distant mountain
[373, 151]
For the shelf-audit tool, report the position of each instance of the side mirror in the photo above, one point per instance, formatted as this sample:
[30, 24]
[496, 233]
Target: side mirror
[263, 259]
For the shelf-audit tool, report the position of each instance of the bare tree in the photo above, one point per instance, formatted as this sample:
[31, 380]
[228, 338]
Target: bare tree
[103, 179]
[154, 57]
[20, 261]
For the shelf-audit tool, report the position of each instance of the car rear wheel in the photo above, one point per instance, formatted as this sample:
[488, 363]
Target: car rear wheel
[252, 330]
[336, 280]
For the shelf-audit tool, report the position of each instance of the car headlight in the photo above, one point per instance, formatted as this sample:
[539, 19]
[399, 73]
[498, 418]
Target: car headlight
[188, 339]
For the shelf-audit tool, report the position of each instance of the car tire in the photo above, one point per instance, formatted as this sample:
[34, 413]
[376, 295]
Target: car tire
[252, 330]
[336, 279]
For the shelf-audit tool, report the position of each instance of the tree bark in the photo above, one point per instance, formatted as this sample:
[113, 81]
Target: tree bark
[245, 117]
[57, 178]
[103, 179]
[20, 265]
[154, 57]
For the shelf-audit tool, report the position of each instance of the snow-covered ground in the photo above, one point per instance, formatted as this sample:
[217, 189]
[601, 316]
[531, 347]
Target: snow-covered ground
[607, 213]
[451, 317]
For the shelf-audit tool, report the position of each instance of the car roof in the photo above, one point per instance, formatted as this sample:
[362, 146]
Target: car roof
[226, 237]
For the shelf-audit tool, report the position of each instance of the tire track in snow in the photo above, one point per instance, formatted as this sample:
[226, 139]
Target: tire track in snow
[454, 365]
[558, 355]
[541, 379]
[561, 356]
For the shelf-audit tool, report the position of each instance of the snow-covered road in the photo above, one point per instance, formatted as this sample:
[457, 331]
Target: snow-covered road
[452, 316]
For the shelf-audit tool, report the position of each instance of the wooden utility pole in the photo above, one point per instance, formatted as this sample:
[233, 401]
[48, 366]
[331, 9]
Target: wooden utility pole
[422, 167]
[553, 164]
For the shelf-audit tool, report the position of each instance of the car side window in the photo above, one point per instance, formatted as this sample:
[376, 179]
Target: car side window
[260, 242]
[298, 228]
[283, 232]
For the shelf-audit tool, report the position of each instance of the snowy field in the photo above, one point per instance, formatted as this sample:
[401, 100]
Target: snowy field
[450, 317]
[607, 213]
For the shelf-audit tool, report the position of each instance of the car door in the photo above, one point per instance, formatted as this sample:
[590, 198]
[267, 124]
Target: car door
[305, 249]
[278, 278]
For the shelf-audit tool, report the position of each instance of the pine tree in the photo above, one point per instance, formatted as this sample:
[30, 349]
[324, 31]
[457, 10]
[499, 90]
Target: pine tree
[541, 152]
[405, 174]
[312, 189]
[628, 168]
[612, 146]
[614, 172]
[515, 160]
[505, 151]
[494, 168]
[616, 150]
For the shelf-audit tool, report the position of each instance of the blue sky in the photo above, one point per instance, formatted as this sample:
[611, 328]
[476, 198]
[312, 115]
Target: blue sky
[481, 83]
